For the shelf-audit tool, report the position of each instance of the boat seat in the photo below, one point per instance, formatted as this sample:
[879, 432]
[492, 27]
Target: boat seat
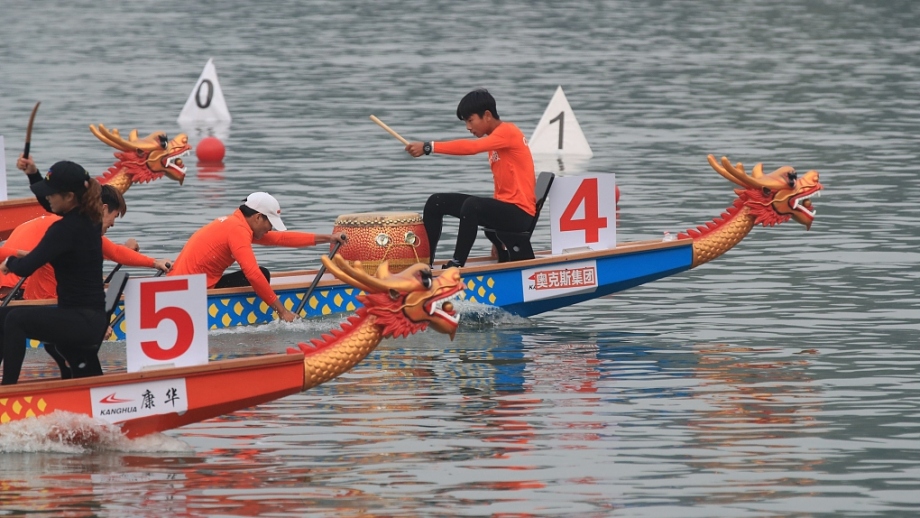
[83, 363]
[515, 246]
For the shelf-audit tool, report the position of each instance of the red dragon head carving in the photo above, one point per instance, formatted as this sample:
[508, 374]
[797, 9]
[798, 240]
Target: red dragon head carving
[143, 159]
[775, 197]
[406, 302]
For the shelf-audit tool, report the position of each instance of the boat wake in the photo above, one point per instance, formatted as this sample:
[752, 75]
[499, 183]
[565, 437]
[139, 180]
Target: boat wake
[311, 325]
[474, 315]
[66, 432]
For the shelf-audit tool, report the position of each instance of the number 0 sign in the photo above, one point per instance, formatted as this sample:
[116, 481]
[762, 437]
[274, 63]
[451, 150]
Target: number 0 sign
[583, 211]
[166, 321]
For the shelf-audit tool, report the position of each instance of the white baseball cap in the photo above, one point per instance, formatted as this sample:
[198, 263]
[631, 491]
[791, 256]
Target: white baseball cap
[266, 204]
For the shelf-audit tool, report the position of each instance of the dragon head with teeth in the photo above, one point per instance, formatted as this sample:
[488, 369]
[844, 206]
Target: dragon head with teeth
[142, 160]
[394, 305]
[405, 302]
[775, 197]
[766, 199]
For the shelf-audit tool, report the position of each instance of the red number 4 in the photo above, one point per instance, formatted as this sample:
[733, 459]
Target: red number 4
[592, 223]
[151, 318]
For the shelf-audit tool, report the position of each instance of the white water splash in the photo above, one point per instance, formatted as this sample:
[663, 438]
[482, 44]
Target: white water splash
[311, 325]
[474, 315]
[67, 432]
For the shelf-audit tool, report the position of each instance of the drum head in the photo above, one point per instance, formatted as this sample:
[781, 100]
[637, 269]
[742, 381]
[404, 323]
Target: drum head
[366, 219]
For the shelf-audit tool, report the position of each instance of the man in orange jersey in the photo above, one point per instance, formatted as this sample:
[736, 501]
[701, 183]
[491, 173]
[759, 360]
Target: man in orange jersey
[220, 243]
[513, 204]
[42, 283]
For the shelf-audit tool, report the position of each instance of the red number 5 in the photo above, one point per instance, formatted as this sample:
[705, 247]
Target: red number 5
[591, 223]
[151, 318]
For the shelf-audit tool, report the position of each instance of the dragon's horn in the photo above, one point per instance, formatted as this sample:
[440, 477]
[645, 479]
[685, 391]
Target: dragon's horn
[354, 275]
[132, 136]
[111, 138]
[731, 173]
[758, 171]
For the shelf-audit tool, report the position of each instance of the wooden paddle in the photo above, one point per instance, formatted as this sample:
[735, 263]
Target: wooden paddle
[319, 275]
[389, 130]
[25, 152]
[9, 298]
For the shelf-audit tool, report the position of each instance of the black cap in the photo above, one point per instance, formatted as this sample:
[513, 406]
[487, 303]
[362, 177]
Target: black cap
[63, 176]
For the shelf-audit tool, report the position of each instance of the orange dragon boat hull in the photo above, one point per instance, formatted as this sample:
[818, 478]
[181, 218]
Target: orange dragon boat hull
[160, 399]
[16, 212]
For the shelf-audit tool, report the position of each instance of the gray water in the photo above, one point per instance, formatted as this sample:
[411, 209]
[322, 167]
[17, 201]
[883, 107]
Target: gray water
[779, 380]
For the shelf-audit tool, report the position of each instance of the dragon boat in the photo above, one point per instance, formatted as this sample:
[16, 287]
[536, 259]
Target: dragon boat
[139, 160]
[548, 282]
[393, 305]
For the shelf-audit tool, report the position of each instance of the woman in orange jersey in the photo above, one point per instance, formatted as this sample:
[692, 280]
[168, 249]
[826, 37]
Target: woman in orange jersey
[42, 284]
[513, 204]
[217, 245]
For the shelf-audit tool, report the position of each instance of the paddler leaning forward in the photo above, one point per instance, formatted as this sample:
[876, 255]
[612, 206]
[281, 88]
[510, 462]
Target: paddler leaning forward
[220, 243]
[42, 284]
[73, 247]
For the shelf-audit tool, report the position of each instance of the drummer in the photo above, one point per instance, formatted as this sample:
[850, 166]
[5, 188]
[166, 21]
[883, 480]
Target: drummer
[41, 284]
[217, 245]
[513, 204]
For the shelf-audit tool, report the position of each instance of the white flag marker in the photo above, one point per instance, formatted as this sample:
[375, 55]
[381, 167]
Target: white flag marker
[206, 103]
[558, 133]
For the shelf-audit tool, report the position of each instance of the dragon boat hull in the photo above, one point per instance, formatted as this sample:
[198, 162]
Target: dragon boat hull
[16, 212]
[160, 399]
[523, 288]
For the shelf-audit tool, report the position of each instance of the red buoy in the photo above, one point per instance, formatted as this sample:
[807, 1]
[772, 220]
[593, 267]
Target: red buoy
[210, 150]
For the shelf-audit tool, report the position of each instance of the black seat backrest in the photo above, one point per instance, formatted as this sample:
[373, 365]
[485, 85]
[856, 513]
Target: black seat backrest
[544, 182]
[114, 291]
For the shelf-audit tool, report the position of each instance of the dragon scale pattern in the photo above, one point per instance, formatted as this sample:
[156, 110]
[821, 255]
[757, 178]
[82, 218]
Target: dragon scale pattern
[334, 355]
[711, 242]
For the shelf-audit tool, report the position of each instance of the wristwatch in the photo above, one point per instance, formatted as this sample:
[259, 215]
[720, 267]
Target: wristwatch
[428, 147]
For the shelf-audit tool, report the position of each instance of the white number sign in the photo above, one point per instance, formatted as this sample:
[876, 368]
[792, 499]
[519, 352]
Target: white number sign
[584, 212]
[166, 321]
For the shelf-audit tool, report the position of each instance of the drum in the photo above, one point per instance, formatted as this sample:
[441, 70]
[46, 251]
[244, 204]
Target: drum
[374, 237]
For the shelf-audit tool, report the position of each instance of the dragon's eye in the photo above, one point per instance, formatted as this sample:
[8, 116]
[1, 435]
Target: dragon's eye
[426, 278]
[766, 191]
[791, 179]
[164, 141]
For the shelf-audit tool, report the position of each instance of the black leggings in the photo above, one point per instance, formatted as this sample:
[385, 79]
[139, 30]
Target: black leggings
[77, 329]
[473, 211]
[238, 279]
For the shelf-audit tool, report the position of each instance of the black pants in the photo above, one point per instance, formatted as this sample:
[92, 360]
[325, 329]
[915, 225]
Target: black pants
[76, 329]
[238, 279]
[473, 211]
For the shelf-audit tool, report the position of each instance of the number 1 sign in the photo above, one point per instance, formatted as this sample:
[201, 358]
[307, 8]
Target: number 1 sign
[166, 321]
[583, 211]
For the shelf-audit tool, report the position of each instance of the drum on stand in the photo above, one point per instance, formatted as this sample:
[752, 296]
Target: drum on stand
[374, 237]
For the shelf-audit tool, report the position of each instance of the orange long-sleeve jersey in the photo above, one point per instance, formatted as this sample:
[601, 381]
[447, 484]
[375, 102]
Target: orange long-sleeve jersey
[510, 159]
[42, 283]
[26, 237]
[220, 243]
